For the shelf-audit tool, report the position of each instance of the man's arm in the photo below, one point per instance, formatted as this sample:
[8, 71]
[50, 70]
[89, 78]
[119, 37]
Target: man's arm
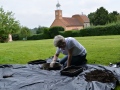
[54, 60]
[70, 51]
[55, 57]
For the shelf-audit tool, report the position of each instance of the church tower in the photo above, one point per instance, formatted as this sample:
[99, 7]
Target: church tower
[58, 12]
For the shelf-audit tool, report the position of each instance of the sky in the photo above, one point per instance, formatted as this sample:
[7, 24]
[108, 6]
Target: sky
[34, 13]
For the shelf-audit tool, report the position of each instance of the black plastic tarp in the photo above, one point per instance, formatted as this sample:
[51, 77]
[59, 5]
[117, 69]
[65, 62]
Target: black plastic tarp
[31, 77]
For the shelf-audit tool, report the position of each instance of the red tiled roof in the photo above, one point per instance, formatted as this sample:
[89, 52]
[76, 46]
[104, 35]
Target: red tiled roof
[71, 21]
[85, 18]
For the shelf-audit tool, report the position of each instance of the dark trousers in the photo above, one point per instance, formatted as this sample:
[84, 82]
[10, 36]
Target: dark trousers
[76, 60]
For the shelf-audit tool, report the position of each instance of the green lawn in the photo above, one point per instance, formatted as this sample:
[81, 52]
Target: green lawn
[101, 50]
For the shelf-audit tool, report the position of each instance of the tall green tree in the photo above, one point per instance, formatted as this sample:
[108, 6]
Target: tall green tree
[101, 16]
[8, 24]
[113, 16]
[115, 13]
[91, 16]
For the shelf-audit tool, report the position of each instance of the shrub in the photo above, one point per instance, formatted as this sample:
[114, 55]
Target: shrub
[4, 38]
[112, 29]
[55, 31]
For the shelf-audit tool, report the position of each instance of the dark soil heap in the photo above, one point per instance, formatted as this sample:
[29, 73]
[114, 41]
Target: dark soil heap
[46, 66]
[103, 76]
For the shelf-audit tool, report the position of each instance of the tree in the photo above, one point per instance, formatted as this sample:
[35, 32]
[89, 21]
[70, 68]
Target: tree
[25, 32]
[113, 16]
[55, 30]
[115, 13]
[40, 30]
[91, 17]
[118, 17]
[46, 33]
[8, 24]
[101, 17]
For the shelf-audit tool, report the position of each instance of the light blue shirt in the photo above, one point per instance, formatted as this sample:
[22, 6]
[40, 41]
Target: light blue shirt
[70, 43]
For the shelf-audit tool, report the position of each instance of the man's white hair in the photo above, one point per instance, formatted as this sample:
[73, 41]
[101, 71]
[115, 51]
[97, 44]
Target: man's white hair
[58, 39]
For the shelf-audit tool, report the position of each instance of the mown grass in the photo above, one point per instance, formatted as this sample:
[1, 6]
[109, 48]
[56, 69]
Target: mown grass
[23, 51]
[100, 50]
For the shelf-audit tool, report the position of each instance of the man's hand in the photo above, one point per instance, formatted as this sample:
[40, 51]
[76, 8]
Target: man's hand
[52, 64]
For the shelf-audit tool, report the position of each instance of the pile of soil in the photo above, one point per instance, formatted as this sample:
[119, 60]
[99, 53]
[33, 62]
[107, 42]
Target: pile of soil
[103, 76]
[46, 66]
[71, 71]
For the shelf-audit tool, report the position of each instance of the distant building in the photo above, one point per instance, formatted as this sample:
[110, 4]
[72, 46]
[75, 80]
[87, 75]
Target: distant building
[76, 22]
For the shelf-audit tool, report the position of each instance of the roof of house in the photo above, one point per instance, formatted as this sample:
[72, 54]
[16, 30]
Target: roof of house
[71, 21]
[85, 18]
[75, 20]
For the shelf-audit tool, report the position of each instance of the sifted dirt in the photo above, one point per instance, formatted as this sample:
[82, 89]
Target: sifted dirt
[46, 66]
[104, 76]
[72, 70]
